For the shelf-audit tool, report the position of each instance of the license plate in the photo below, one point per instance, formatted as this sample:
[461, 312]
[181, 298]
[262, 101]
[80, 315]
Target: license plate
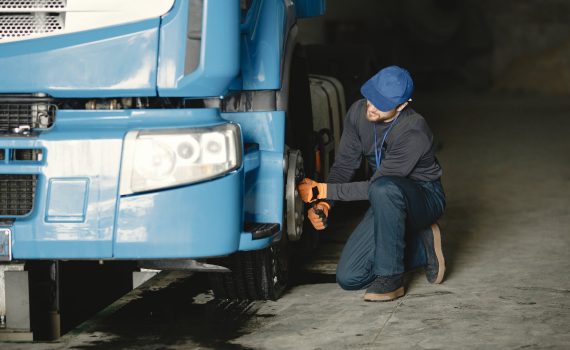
[5, 244]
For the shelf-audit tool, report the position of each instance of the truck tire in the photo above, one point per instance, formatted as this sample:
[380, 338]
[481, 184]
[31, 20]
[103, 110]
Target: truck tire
[299, 134]
[256, 275]
[264, 274]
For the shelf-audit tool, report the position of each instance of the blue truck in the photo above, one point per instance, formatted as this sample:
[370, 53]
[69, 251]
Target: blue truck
[167, 132]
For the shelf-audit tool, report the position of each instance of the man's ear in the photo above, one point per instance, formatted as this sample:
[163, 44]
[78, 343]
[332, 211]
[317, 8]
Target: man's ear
[402, 106]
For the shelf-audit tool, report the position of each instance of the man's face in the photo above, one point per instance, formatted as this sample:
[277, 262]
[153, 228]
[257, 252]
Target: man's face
[373, 114]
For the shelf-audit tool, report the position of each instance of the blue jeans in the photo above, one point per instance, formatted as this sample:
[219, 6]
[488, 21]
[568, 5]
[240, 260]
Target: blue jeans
[387, 240]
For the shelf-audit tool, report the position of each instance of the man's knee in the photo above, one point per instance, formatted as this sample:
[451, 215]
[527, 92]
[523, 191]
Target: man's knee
[347, 280]
[383, 189]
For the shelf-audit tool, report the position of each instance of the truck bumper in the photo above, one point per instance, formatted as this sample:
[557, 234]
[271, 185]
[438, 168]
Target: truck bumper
[202, 220]
[79, 214]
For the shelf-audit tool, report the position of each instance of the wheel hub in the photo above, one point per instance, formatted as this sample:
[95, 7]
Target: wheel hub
[295, 214]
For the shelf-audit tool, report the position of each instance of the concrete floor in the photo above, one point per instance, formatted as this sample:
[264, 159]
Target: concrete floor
[507, 178]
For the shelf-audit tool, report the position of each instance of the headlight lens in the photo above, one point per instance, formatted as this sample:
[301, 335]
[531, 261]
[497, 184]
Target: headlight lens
[154, 159]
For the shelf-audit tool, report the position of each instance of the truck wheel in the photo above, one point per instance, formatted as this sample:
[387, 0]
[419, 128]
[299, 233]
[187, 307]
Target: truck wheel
[263, 274]
[300, 135]
[256, 275]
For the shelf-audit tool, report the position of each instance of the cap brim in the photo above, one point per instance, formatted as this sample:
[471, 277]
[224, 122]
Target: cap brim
[380, 102]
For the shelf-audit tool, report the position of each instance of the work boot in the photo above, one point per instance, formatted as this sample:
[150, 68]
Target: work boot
[385, 289]
[435, 268]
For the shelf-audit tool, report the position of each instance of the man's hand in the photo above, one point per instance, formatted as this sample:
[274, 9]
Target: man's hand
[319, 221]
[310, 190]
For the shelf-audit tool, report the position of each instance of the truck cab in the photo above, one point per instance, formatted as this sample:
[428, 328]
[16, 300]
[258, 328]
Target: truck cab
[156, 131]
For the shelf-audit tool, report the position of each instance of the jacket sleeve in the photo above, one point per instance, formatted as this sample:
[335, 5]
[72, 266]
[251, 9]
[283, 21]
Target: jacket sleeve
[399, 161]
[348, 160]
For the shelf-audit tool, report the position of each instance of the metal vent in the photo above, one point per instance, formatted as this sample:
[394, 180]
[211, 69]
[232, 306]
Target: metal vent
[194, 35]
[22, 117]
[27, 155]
[22, 25]
[32, 4]
[17, 193]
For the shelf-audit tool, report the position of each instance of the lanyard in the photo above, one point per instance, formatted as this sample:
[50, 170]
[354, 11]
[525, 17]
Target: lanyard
[378, 154]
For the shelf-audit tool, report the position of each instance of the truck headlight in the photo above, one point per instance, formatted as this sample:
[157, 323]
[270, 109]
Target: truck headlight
[155, 159]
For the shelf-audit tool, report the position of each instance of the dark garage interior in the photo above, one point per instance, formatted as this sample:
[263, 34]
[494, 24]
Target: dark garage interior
[493, 81]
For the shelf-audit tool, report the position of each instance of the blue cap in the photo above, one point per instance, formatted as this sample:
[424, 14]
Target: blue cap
[389, 88]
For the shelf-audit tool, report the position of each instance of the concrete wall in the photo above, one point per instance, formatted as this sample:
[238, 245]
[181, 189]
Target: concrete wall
[532, 45]
[507, 45]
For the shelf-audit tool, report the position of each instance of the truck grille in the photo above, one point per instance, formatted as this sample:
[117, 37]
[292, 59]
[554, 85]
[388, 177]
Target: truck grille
[19, 117]
[17, 193]
[21, 25]
[32, 4]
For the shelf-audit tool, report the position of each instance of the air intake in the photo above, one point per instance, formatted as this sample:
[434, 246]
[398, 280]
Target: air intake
[17, 193]
[31, 4]
[22, 25]
[21, 118]
[22, 20]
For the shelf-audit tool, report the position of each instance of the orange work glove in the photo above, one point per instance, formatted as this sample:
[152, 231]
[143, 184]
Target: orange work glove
[310, 190]
[318, 221]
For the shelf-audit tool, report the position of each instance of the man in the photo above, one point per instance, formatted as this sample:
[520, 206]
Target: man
[399, 231]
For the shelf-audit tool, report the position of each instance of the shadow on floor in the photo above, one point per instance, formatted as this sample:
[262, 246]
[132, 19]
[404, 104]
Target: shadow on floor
[178, 315]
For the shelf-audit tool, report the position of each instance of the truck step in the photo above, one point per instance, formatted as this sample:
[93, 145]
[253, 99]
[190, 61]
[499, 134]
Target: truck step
[261, 230]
